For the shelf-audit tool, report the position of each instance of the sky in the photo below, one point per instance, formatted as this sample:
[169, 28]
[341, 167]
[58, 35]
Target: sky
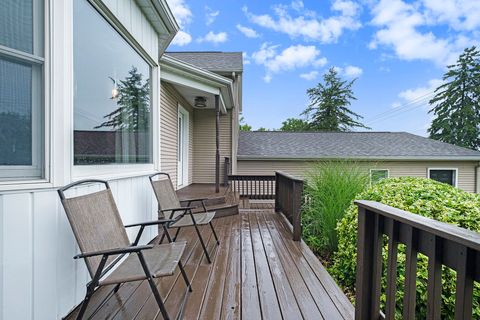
[397, 50]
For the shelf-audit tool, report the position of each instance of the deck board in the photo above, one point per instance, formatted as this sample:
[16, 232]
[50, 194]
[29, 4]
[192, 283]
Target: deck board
[257, 272]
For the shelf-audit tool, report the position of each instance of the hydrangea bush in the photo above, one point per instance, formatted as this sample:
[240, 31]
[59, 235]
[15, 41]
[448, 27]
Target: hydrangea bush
[420, 196]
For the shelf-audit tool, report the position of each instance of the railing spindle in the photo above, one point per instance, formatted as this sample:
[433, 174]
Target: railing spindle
[410, 290]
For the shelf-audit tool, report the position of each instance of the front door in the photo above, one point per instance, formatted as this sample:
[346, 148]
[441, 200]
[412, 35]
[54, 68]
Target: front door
[182, 148]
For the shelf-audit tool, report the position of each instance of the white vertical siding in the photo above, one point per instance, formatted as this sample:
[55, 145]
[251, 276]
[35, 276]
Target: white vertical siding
[39, 279]
[132, 18]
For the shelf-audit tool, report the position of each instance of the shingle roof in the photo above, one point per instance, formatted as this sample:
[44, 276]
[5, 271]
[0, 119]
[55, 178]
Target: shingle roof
[359, 145]
[211, 60]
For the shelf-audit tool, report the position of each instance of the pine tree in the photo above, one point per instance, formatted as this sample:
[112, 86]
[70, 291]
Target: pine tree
[329, 101]
[133, 109]
[456, 103]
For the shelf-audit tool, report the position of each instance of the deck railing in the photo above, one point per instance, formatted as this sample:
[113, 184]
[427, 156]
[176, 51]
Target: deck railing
[253, 186]
[444, 244]
[288, 200]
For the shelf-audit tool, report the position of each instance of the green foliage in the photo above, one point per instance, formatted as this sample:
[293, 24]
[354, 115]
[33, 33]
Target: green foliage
[133, 103]
[331, 187]
[262, 129]
[244, 126]
[457, 103]
[420, 196]
[329, 101]
[294, 125]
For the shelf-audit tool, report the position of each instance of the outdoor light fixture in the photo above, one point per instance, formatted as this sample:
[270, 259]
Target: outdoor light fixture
[114, 90]
[200, 102]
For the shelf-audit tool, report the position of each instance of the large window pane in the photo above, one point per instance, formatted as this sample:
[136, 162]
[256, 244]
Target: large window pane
[16, 24]
[112, 94]
[15, 113]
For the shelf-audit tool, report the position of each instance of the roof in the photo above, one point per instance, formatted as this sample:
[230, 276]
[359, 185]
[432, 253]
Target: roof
[352, 145]
[212, 60]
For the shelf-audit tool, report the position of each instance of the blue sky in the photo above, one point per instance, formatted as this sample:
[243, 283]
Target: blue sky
[397, 49]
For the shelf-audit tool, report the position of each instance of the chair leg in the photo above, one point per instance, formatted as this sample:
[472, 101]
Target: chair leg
[176, 234]
[115, 290]
[85, 302]
[214, 233]
[153, 287]
[202, 243]
[165, 234]
[184, 275]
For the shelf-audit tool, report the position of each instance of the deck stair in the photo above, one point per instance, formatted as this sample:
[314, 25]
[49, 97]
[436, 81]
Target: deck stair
[224, 203]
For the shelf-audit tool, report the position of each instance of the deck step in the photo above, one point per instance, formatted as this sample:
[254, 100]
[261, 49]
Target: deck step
[211, 201]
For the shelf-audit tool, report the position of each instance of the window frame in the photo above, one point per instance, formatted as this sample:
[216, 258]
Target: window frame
[455, 170]
[121, 170]
[380, 169]
[39, 171]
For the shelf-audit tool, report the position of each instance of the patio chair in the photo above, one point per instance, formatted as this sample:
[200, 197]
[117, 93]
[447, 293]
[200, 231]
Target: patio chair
[169, 206]
[103, 242]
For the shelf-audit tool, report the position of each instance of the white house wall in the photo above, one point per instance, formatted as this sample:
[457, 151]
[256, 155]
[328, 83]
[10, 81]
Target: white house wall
[39, 279]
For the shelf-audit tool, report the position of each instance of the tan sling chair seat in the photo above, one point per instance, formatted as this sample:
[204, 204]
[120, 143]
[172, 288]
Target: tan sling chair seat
[103, 243]
[169, 206]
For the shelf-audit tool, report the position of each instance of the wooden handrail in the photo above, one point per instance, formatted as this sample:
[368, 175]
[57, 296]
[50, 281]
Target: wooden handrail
[443, 243]
[288, 200]
[253, 186]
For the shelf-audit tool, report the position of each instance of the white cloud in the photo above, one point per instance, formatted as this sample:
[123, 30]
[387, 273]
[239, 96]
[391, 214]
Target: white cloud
[214, 38]
[182, 38]
[349, 71]
[421, 94]
[210, 15]
[184, 16]
[402, 29]
[293, 57]
[458, 14]
[307, 24]
[246, 58]
[312, 75]
[248, 32]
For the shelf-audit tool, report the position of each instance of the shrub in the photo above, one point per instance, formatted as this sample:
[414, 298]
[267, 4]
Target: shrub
[420, 196]
[331, 186]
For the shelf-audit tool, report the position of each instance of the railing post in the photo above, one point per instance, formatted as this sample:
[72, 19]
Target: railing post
[297, 190]
[226, 171]
[277, 195]
[365, 265]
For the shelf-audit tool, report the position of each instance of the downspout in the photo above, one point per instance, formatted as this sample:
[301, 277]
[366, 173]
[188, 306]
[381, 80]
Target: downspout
[217, 142]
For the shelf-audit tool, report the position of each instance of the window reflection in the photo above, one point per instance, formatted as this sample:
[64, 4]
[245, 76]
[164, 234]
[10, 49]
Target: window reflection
[112, 94]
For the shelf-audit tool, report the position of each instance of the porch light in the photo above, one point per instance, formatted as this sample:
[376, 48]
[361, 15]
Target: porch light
[200, 102]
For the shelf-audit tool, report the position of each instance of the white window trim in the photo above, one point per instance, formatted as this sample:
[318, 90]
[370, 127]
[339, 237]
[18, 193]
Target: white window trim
[379, 169]
[40, 94]
[186, 146]
[120, 171]
[451, 169]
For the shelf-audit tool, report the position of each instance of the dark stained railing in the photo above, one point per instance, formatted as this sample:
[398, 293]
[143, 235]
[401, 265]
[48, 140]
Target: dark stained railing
[227, 170]
[289, 200]
[444, 244]
[253, 186]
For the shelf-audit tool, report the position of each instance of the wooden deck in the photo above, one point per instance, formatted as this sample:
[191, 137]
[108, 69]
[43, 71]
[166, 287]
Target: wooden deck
[257, 272]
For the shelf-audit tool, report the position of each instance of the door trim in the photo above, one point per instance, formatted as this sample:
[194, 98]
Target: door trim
[185, 146]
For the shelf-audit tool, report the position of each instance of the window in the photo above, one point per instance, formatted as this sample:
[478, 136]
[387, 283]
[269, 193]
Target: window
[448, 176]
[21, 89]
[378, 174]
[112, 116]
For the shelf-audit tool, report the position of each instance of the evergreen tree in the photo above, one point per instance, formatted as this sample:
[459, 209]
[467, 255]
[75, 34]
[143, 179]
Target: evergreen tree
[244, 126]
[456, 103]
[329, 101]
[133, 109]
[294, 125]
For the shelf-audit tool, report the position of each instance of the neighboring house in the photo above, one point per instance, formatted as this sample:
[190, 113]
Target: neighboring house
[383, 154]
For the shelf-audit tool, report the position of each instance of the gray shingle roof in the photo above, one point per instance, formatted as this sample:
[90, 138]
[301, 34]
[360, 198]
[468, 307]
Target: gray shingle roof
[359, 145]
[211, 60]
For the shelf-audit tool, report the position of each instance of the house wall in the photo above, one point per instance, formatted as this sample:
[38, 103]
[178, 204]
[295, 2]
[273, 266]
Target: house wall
[39, 279]
[466, 169]
[204, 146]
[169, 101]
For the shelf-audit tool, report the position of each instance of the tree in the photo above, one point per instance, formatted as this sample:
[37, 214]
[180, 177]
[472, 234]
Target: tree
[244, 126]
[294, 125]
[456, 103]
[329, 101]
[133, 109]
[262, 129]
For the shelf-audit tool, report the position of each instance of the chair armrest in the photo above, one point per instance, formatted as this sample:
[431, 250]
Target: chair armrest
[109, 252]
[150, 223]
[178, 209]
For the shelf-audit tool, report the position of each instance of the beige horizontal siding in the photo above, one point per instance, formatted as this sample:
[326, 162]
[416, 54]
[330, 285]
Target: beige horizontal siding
[466, 169]
[169, 101]
[204, 145]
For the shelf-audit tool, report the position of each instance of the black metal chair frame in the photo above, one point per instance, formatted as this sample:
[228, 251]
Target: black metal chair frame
[186, 210]
[134, 248]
